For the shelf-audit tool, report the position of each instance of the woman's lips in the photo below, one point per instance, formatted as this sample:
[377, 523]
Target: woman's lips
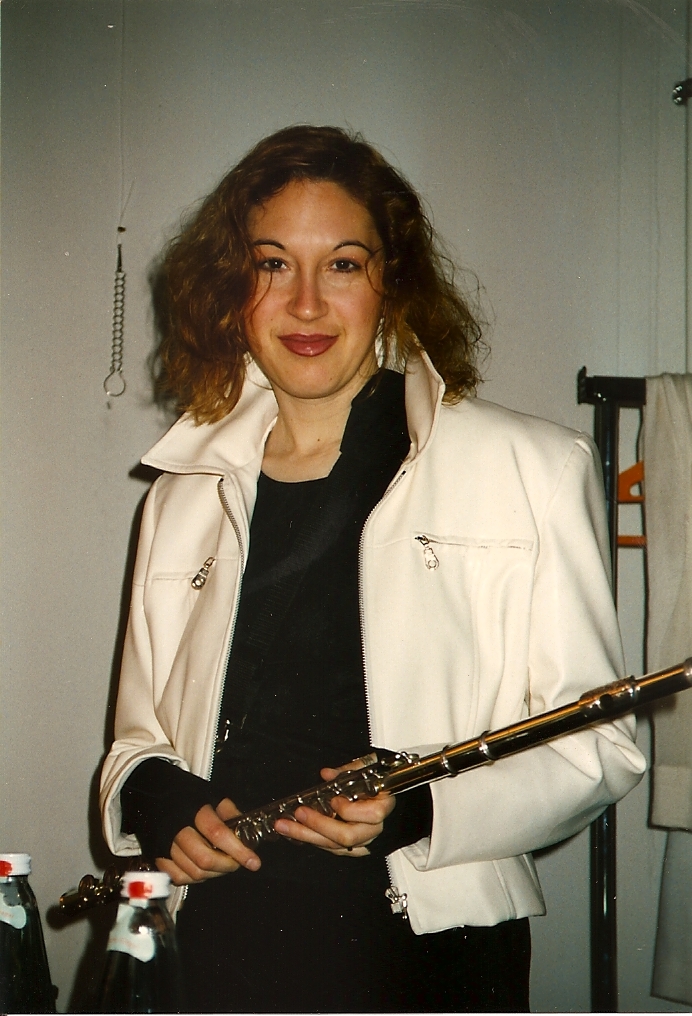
[308, 345]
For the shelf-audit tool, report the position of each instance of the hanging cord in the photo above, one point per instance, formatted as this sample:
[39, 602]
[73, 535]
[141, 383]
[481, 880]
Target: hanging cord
[114, 385]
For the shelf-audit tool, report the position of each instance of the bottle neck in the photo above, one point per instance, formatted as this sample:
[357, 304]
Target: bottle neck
[142, 903]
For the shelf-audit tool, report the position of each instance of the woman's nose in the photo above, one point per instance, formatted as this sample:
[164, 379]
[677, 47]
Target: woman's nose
[307, 301]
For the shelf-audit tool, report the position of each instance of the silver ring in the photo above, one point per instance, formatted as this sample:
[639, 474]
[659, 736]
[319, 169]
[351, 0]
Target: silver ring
[484, 747]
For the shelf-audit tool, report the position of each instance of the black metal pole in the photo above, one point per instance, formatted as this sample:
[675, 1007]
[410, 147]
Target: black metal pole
[606, 435]
[604, 980]
[604, 974]
[607, 395]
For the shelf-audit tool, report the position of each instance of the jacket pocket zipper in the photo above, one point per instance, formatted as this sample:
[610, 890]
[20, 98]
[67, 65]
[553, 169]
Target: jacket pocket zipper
[430, 558]
[203, 574]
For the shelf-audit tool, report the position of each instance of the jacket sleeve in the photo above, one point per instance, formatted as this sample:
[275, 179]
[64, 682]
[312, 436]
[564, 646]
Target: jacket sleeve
[159, 799]
[548, 793]
[138, 734]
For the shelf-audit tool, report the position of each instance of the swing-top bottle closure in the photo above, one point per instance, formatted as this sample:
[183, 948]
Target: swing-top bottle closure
[138, 888]
[11, 911]
[14, 864]
[141, 886]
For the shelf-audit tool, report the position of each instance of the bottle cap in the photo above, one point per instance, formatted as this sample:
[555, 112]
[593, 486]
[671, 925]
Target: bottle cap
[145, 885]
[14, 864]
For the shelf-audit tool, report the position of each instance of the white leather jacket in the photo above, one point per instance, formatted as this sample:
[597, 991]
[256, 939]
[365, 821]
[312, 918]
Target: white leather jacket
[485, 597]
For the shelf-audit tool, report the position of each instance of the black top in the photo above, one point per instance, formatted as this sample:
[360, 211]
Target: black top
[294, 696]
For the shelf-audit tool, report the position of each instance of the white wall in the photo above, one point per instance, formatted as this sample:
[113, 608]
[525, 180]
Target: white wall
[544, 139]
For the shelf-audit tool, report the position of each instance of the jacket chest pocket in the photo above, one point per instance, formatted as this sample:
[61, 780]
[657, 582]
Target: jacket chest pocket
[170, 601]
[436, 624]
[468, 552]
[475, 594]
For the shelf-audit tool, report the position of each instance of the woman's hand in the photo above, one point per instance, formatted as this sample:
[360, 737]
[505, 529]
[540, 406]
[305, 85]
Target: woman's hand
[358, 822]
[209, 850]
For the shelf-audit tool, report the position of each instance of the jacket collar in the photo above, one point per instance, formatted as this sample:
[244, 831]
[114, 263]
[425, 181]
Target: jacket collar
[237, 441]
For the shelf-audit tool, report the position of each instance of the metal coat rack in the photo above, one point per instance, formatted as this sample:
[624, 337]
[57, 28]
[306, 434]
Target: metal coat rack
[608, 395]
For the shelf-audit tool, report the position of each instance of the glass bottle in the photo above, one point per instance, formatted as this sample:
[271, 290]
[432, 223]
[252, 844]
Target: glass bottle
[25, 984]
[142, 972]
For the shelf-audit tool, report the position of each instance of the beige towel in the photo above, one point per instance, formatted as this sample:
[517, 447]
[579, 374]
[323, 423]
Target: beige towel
[668, 505]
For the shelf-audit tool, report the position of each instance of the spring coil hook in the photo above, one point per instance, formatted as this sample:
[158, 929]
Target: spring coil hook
[114, 385]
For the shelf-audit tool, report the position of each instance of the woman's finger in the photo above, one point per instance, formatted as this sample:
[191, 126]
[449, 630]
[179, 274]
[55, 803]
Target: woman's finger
[197, 858]
[364, 823]
[177, 875]
[300, 832]
[226, 809]
[370, 810]
[207, 851]
[336, 831]
[182, 869]
[357, 763]
[191, 871]
[222, 839]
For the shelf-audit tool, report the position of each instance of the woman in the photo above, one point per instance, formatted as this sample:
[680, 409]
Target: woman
[340, 555]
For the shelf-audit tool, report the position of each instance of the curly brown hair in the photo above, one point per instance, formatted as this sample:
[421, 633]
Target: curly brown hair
[209, 273]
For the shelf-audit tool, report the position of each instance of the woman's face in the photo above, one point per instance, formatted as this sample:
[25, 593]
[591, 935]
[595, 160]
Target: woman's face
[314, 316]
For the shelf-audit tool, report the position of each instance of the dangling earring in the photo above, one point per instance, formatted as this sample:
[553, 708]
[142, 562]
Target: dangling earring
[380, 344]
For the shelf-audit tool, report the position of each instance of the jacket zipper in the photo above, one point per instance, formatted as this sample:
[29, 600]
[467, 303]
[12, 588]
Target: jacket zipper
[236, 528]
[397, 901]
[197, 583]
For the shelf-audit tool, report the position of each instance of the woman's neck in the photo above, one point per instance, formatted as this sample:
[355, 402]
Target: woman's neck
[304, 444]
[305, 441]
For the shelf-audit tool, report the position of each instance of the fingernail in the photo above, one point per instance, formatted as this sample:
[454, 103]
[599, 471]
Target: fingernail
[253, 864]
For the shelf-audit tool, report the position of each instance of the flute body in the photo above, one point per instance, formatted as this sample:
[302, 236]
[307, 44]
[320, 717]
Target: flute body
[397, 772]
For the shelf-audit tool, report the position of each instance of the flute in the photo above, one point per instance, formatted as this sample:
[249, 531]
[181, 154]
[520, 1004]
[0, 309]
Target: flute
[397, 772]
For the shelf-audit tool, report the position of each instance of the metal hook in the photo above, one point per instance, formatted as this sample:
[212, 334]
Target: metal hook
[112, 387]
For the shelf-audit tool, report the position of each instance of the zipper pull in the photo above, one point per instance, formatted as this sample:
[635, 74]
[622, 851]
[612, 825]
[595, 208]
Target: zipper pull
[203, 574]
[398, 902]
[222, 735]
[429, 556]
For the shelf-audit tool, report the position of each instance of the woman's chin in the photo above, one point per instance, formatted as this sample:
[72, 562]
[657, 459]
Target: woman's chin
[312, 390]
[314, 378]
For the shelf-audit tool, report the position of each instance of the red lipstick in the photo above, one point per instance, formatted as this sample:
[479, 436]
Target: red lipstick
[308, 345]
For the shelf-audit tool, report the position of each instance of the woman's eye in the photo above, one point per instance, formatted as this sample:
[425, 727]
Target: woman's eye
[345, 265]
[270, 265]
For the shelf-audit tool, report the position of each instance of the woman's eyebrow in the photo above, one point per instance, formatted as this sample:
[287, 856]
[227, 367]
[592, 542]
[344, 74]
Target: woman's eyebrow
[353, 243]
[267, 242]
